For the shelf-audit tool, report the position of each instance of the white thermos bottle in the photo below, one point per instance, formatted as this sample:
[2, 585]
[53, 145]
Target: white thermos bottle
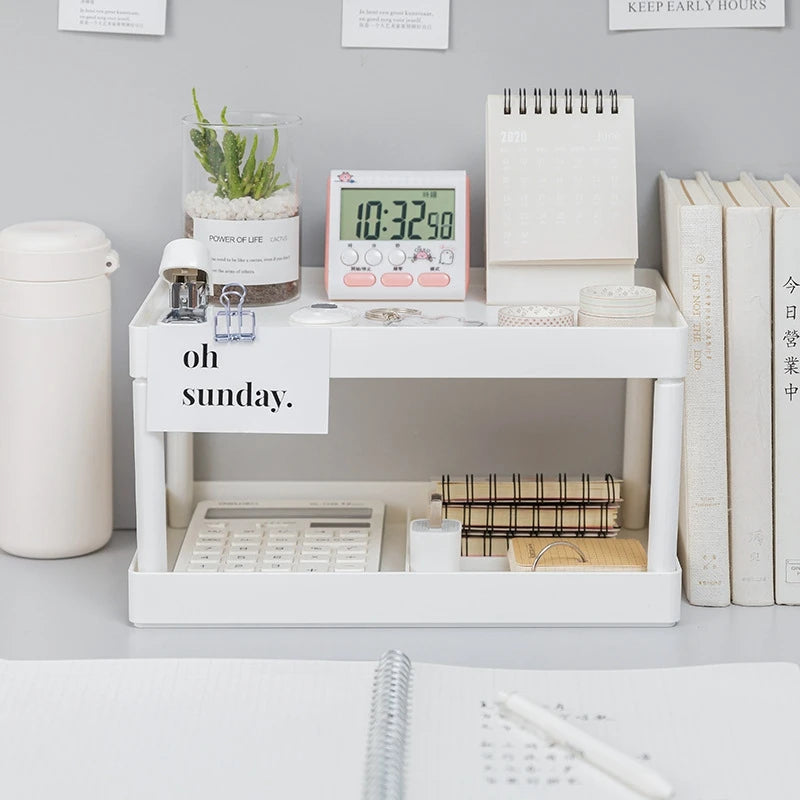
[55, 389]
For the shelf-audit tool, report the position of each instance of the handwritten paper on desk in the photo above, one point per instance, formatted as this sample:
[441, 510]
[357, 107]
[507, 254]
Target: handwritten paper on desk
[722, 732]
[113, 16]
[420, 24]
[632, 15]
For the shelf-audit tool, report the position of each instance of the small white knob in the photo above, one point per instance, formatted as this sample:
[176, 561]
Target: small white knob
[349, 257]
[373, 256]
[397, 257]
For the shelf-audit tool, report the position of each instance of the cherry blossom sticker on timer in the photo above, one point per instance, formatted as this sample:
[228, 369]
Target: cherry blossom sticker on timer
[397, 235]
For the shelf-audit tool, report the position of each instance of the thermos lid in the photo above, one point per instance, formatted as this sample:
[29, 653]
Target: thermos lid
[57, 250]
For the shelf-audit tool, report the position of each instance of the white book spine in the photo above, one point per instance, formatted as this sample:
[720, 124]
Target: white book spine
[693, 269]
[748, 313]
[786, 351]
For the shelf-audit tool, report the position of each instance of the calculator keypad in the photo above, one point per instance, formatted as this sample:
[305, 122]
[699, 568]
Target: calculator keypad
[284, 545]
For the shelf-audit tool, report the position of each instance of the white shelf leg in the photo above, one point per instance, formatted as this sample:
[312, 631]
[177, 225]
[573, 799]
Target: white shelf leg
[636, 451]
[665, 474]
[151, 506]
[180, 479]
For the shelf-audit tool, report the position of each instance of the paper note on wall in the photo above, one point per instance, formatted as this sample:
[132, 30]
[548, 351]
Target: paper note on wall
[113, 16]
[420, 24]
[630, 15]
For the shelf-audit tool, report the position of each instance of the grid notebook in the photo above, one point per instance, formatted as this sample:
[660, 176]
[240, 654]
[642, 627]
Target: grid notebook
[590, 555]
[250, 728]
[493, 509]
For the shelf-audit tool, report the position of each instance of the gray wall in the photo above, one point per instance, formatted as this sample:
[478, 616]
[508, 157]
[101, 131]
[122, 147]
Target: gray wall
[90, 131]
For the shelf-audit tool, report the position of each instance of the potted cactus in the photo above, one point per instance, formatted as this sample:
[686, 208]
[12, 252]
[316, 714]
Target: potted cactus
[240, 197]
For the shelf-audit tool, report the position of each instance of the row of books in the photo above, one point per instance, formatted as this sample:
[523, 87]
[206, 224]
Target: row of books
[731, 258]
[495, 509]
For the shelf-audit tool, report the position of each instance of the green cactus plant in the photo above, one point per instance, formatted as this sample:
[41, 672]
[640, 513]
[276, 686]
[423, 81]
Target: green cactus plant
[223, 162]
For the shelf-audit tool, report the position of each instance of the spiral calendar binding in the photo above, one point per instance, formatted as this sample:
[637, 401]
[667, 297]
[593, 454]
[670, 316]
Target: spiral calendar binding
[556, 99]
[384, 777]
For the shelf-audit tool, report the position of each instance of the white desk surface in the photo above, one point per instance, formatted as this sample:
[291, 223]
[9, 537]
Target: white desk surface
[77, 608]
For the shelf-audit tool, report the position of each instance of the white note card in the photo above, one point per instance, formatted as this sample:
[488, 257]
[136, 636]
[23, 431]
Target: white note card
[278, 383]
[632, 15]
[113, 16]
[420, 24]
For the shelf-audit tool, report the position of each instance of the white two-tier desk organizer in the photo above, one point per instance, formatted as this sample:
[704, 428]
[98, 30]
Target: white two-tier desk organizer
[652, 359]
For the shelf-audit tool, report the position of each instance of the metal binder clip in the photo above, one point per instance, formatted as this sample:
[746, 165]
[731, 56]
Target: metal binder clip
[234, 323]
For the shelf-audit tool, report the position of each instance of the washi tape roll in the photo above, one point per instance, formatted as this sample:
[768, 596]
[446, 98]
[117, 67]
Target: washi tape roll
[616, 306]
[618, 301]
[536, 317]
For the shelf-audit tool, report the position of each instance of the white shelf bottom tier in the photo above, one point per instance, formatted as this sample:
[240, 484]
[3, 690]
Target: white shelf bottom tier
[484, 593]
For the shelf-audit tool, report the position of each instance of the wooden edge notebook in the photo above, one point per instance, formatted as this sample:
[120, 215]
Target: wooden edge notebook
[596, 555]
[207, 729]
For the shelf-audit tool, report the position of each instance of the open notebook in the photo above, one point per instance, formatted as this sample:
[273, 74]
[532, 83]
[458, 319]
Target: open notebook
[204, 729]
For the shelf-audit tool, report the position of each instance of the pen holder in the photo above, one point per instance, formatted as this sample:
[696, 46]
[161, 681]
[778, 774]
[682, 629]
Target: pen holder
[434, 549]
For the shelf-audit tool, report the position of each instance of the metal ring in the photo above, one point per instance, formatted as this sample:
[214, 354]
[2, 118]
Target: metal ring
[556, 544]
[390, 314]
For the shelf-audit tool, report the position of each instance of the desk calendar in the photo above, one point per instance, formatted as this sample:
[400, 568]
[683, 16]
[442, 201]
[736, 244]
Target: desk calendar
[560, 194]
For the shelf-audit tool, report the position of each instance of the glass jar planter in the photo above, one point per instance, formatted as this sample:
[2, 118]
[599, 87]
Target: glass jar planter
[240, 198]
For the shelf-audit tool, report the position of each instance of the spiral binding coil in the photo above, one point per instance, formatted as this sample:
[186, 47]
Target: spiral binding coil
[384, 777]
[555, 98]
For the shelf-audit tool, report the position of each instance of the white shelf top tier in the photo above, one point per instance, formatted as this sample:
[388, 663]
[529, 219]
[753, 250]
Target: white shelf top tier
[374, 350]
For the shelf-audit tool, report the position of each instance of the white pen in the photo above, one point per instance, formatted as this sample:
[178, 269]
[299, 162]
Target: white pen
[624, 768]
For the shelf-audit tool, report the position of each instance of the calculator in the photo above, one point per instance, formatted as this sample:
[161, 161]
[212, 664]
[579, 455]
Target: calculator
[280, 536]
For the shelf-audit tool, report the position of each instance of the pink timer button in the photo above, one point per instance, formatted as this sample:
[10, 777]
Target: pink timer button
[397, 279]
[433, 279]
[359, 279]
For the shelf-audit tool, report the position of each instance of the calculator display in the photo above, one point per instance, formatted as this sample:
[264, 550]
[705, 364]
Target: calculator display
[402, 214]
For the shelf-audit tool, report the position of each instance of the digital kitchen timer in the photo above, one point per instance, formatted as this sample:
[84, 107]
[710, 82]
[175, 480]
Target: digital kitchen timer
[397, 235]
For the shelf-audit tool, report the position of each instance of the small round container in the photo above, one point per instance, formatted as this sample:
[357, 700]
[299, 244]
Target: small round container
[323, 314]
[535, 317]
[616, 306]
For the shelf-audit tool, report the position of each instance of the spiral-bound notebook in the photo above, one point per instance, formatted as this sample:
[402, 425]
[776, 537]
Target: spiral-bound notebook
[207, 729]
[538, 488]
[560, 194]
[495, 508]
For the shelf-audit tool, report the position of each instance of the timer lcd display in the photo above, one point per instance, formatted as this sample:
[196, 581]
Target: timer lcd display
[402, 214]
